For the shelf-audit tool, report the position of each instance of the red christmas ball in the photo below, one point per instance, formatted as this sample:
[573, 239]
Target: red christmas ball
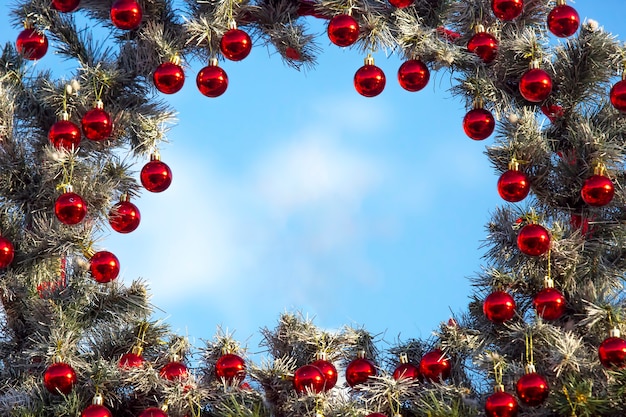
[152, 412]
[230, 367]
[535, 85]
[168, 78]
[174, 371]
[435, 366]
[212, 81]
[401, 4]
[95, 410]
[124, 217]
[563, 21]
[369, 80]
[70, 208]
[413, 75]
[343, 30]
[513, 186]
[64, 134]
[235, 44]
[612, 352]
[97, 124]
[59, 378]
[549, 303]
[499, 306]
[126, 14]
[618, 95]
[32, 44]
[479, 124]
[292, 53]
[533, 240]
[131, 360]
[359, 370]
[376, 415]
[65, 6]
[104, 266]
[7, 252]
[532, 389]
[156, 176]
[485, 45]
[507, 9]
[308, 378]
[553, 111]
[406, 371]
[501, 404]
[597, 190]
[329, 371]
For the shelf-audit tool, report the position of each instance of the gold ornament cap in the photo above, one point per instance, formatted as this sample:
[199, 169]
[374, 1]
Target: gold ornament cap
[548, 282]
[361, 354]
[67, 188]
[155, 156]
[98, 399]
[514, 165]
[369, 60]
[213, 62]
[137, 350]
[498, 388]
[615, 332]
[479, 28]
[530, 368]
[65, 116]
[534, 64]
[124, 198]
[98, 104]
[321, 356]
[404, 358]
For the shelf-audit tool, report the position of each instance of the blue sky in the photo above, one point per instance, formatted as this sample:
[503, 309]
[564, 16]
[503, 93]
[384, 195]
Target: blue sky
[292, 192]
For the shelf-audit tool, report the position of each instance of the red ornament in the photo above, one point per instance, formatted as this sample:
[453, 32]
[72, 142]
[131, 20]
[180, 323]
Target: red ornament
[7, 252]
[169, 77]
[212, 80]
[549, 303]
[413, 75]
[70, 208]
[499, 306]
[485, 45]
[343, 30]
[513, 185]
[104, 266]
[131, 359]
[435, 366]
[507, 9]
[124, 217]
[401, 4]
[532, 389]
[535, 85]
[376, 415]
[533, 240]
[235, 44]
[174, 371]
[126, 14]
[329, 371]
[369, 80]
[292, 53]
[563, 20]
[597, 191]
[230, 367]
[553, 111]
[612, 352]
[64, 134]
[580, 222]
[359, 370]
[65, 6]
[153, 412]
[59, 378]
[96, 410]
[308, 378]
[406, 371]
[156, 176]
[479, 124]
[32, 44]
[501, 404]
[618, 95]
[96, 123]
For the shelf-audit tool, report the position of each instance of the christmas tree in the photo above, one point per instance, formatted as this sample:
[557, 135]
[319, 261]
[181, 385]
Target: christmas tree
[541, 336]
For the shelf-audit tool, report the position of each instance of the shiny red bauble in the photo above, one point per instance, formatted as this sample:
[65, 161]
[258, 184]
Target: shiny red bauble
[95, 410]
[501, 404]
[104, 266]
[156, 176]
[231, 367]
[406, 371]
[343, 30]
[533, 240]
[435, 366]
[369, 80]
[618, 95]
[168, 78]
[553, 111]
[308, 378]
[131, 360]
[212, 80]
[401, 4]
[235, 44]
[329, 371]
[126, 14]
[513, 186]
[153, 412]
[413, 75]
[70, 208]
[507, 9]
[612, 352]
[532, 389]
[97, 124]
[7, 252]
[550, 303]
[563, 21]
[59, 378]
[65, 6]
[64, 134]
[359, 370]
[597, 190]
[124, 217]
[32, 44]
[479, 124]
[499, 306]
[174, 371]
[535, 85]
[485, 45]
